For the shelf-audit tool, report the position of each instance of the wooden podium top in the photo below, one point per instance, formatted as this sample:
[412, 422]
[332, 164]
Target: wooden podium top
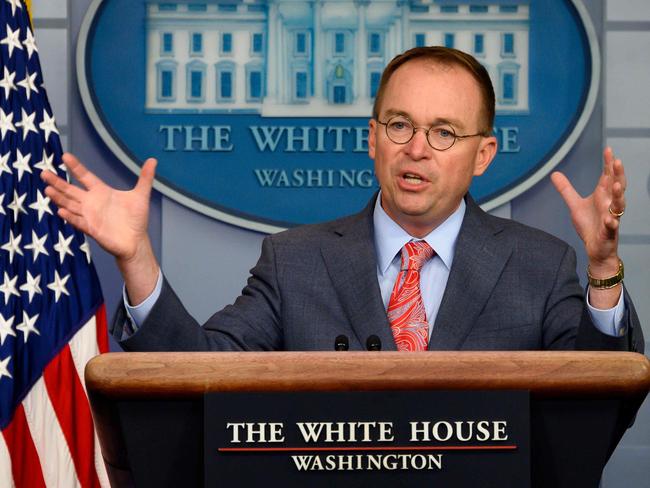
[153, 402]
[545, 374]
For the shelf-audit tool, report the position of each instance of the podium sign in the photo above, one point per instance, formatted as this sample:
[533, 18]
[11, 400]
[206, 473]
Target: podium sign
[396, 438]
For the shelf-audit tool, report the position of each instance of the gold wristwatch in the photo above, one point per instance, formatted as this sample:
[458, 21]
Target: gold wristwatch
[607, 283]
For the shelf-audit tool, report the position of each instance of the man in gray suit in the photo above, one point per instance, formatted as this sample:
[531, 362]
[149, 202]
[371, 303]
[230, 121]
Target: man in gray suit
[486, 283]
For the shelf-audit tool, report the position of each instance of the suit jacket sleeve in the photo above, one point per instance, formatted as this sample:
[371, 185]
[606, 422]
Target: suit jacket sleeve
[588, 337]
[251, 323]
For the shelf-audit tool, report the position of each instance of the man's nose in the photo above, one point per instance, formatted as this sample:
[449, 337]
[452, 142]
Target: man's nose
[418, 147]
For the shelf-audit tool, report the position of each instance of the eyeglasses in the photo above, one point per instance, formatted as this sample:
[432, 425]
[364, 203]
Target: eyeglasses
[401, 130]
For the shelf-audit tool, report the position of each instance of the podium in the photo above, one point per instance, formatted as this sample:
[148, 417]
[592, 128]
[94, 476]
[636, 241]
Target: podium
[148, 407]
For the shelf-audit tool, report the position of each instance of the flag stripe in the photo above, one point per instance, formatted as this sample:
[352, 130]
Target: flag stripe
[25, 465]
[6, 478]
[102, 329]
[83, 347]
[72, 409]
[53, 453]
[100, 467]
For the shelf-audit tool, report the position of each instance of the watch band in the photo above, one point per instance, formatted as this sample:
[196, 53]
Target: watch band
[606, 283]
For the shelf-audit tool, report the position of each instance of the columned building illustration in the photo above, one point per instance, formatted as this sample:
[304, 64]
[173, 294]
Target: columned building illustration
[318, 57]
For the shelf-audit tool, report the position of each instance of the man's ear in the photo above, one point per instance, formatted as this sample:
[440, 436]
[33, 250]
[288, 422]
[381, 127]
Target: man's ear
[372, 137]
[485, 153]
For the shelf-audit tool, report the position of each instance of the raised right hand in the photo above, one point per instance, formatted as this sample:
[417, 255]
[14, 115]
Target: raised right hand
[117, 220]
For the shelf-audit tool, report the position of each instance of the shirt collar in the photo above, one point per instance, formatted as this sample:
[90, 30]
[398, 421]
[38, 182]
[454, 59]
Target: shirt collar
[390, 237]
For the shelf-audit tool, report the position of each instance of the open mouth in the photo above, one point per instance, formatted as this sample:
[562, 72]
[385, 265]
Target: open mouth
[412, 178]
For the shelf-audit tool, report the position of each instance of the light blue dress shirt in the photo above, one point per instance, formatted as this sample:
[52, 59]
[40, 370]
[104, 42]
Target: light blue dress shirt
[389, 240]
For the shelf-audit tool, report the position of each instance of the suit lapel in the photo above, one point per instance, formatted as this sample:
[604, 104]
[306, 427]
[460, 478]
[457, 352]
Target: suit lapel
[479, 259]
[351, 261]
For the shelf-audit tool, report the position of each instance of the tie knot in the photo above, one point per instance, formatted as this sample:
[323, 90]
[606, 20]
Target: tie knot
[415, 254]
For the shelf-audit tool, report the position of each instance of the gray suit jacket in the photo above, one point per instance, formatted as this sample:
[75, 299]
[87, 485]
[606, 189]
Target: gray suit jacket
[511, 287]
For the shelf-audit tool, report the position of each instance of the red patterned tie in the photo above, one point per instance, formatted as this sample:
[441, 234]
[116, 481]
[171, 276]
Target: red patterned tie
[406, 313]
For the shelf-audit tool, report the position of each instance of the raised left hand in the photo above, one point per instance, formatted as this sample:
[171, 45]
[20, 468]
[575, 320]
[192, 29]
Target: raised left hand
[597, 220]
[595, 217]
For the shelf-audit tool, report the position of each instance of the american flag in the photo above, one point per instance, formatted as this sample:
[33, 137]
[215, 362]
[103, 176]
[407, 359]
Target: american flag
[52, 316]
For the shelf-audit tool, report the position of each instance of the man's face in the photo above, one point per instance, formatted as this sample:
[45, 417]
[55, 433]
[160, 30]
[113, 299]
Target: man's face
[420, 186]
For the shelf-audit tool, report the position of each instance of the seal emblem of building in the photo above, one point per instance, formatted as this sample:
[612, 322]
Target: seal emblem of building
[258, 111]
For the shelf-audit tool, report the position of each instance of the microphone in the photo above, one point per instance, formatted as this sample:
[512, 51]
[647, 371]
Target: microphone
[373, 343]
[341, 343]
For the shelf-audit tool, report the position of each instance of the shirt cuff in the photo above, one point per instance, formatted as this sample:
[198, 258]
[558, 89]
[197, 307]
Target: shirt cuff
[609, 321]
[138, 314]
